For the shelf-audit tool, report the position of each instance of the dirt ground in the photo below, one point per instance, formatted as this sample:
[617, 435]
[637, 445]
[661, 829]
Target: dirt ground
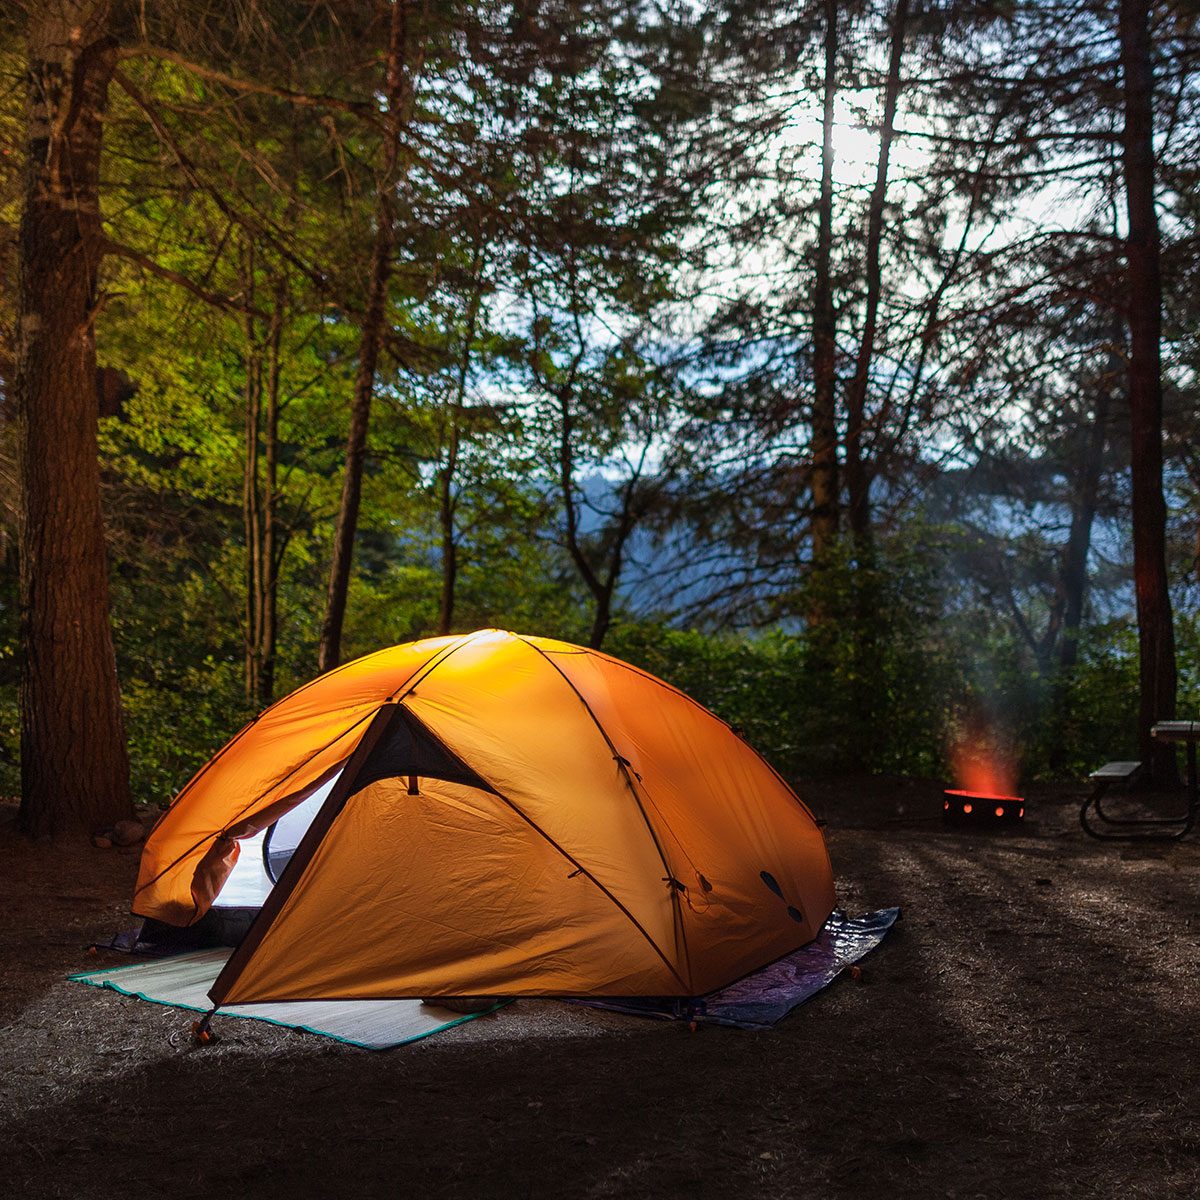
[1028, 1030]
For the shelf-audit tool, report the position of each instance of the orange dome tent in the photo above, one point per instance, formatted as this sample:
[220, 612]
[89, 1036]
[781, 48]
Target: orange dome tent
[511, 816]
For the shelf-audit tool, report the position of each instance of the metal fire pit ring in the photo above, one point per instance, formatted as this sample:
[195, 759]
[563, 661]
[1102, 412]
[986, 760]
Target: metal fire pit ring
[980, 809]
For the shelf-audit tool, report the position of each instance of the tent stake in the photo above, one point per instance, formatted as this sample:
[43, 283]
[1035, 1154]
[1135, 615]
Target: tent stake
[202, 1035]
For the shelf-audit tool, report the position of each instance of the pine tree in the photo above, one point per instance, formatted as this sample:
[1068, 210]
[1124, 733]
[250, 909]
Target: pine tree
[74, 766]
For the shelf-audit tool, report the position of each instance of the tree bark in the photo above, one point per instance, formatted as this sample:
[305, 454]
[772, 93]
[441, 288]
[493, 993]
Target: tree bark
[602, 589]
[566, 479]
[1156, 635]
[271, 547]
[260, 487]
[627, 519]
[447, 498]
[74, 763]
[858, 483]
[1083, 517]
[824, 477]
[449, 543]
[251, 514]
[400, 89]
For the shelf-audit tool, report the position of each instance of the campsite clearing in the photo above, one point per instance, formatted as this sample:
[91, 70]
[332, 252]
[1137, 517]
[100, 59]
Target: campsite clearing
[1028, 1029]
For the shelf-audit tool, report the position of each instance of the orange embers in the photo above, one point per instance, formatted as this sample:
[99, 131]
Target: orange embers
[986, 774]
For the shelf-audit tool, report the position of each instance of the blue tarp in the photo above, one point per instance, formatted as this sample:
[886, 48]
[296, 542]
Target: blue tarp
[764, 998]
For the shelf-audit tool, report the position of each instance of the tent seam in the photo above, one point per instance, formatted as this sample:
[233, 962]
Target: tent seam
[394, 699]
[604, 891]
[670, 687]
[242, 811]
[431, 663]
[255, 720]
[625, 774]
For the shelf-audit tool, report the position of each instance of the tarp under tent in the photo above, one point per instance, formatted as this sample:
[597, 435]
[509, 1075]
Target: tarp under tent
[489, 814]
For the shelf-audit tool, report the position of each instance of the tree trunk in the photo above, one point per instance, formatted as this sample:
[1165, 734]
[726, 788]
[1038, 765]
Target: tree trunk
[1156, 635]
[824, 411]
[1067, 612]
[601, 620]
[1079, 540]
[631, 512]
[566, 479]
[601, 590]
[74, 763]
[260, 486]
[858, 483]
[449, 540]
[447, 501]
[400, 88]
[251, 515]
[271, 551]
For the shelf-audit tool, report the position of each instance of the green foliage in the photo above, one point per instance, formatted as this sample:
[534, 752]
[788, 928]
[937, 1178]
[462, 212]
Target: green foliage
[868, 692]
[755, 684]
[575, 181]
[1090, 714]
[797, 701]
[1073, 724]
[174, 730]
[801, 702]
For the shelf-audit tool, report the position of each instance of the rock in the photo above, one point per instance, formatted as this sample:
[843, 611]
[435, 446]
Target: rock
[128, 833]
[102, 842]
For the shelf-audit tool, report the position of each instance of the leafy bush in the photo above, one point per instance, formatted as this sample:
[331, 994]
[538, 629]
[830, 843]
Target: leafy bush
[866, 691]
[174, 730]
[888, 681]
[879, 686]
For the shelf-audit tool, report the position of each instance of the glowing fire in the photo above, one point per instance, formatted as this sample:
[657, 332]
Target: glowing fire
[981, 768]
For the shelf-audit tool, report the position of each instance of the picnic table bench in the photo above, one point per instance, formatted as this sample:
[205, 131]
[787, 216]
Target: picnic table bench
[1105, 827]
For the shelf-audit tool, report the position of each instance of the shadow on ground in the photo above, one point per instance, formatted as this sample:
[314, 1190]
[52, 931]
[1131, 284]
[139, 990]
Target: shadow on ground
[1028, 1030]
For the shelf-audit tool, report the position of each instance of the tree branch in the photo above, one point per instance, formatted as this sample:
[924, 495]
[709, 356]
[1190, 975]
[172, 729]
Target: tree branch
[228, 303]
[358, 108]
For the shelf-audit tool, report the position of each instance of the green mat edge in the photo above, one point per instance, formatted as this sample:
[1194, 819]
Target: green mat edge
[88, 977]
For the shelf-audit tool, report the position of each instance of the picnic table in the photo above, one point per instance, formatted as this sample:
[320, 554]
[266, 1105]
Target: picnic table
[1187, 732]
[1144, 828]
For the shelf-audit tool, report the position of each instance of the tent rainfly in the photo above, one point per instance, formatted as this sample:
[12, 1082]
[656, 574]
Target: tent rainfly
[494, 814]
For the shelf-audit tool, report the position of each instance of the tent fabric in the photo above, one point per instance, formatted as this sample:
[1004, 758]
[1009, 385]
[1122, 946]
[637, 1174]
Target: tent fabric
[601, 834]
[286, 749]
[183, 980]
[762, 999]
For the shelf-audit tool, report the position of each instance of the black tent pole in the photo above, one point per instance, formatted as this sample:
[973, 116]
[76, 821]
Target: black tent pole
[313, 836]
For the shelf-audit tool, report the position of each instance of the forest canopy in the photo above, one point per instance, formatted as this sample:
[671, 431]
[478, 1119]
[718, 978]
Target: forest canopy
[815, 356]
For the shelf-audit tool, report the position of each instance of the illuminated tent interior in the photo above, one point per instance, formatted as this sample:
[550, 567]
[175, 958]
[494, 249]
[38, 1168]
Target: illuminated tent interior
[489, 814]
